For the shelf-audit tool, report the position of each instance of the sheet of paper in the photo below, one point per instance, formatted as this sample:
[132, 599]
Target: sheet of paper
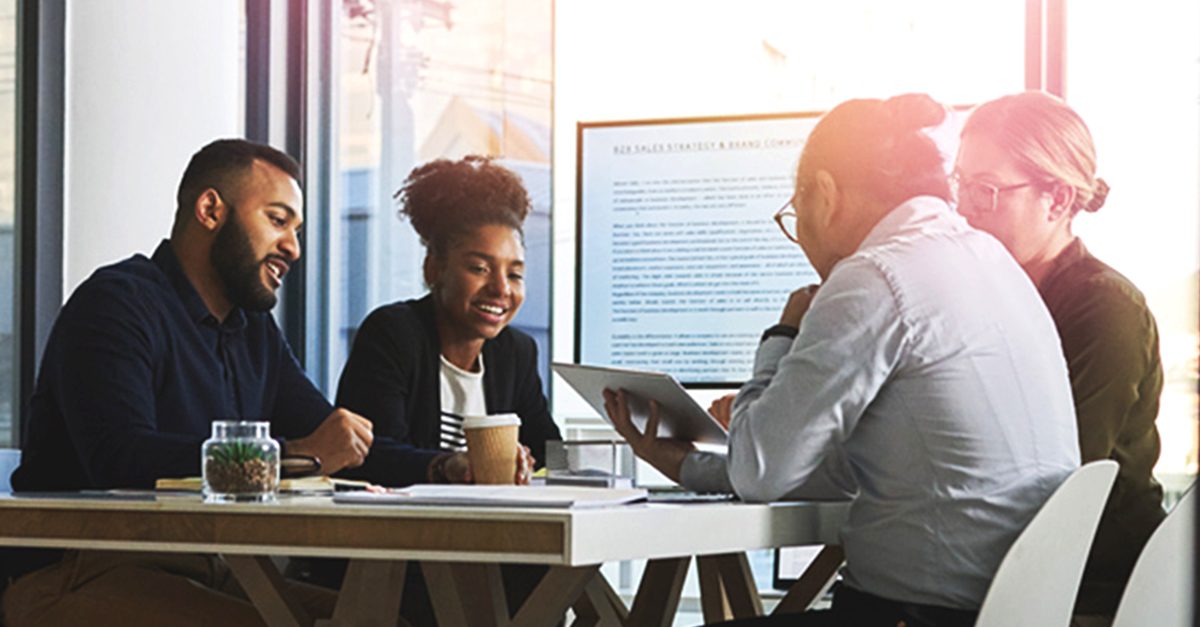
[497, 496]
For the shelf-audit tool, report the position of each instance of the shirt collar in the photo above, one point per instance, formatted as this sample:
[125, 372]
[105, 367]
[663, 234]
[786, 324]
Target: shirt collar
[1069, 256]
[914, 210]
[164, 257]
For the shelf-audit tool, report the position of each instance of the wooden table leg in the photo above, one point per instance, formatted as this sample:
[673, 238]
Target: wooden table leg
[549, 601]
[481, 590]
[370, 595]
[814, 582]
[713, 603]
[737, 582]
[599, 605]
[443, 594]
[265, 586]
[658, 594]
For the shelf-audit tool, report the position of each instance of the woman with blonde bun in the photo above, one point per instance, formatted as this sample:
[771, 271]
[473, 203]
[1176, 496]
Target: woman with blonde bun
[1026, 167]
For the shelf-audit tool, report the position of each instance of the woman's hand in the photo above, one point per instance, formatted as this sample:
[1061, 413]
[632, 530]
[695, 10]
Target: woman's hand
[664, 454]
[457, 467]
[524, 465]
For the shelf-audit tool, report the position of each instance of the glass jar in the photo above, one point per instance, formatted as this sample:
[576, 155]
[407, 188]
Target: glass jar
[240, 462]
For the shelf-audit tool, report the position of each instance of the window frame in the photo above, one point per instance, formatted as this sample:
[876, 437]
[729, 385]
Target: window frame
[40, 110]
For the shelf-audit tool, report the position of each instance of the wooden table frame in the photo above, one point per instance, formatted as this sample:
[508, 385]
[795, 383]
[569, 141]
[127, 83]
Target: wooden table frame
[459, 549]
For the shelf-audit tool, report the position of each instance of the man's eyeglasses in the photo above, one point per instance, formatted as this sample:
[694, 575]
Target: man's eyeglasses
[979, 196]
[786, 219]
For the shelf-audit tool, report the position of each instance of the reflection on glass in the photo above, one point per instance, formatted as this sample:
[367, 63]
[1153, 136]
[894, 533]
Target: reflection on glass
[8, 75]
[419, 80]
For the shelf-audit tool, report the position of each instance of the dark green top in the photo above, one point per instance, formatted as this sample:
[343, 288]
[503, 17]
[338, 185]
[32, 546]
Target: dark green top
[1110, 341]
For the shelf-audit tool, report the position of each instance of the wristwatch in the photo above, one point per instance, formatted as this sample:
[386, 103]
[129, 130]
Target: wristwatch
[437, 468]
[780, 330]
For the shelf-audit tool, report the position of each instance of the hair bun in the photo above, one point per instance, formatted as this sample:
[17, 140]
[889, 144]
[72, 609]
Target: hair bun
[1099, 195]
[915, 111]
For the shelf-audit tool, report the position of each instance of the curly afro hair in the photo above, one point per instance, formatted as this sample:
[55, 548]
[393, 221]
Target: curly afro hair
[444, 199]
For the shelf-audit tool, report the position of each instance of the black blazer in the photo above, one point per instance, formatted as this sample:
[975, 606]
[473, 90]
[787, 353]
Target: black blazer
[392, 377]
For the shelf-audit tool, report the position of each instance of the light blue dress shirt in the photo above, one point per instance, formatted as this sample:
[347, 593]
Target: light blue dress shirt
[927, 382]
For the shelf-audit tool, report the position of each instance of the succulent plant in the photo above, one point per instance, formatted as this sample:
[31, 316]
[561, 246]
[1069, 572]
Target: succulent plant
[236, 452]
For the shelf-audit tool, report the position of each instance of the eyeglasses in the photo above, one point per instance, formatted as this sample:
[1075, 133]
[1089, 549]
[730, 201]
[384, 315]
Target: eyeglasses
[786, 219]
[980, 196]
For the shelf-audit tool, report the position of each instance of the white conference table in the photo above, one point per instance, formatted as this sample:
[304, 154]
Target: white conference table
[459, 549]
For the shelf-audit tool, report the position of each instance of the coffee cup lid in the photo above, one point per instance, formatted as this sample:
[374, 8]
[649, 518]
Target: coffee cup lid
[494, 420]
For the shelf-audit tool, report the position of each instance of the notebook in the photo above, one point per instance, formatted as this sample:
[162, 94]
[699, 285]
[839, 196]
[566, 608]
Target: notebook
[313, 484]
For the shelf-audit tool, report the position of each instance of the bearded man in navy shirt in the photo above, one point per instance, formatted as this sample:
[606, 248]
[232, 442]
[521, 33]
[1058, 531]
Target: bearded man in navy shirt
[143, 357]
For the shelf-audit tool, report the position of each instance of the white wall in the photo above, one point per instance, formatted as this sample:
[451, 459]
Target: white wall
[147, 84]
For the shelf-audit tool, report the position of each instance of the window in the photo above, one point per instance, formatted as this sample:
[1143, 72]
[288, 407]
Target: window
[416, 80]
[1141, 100]
[44, 132]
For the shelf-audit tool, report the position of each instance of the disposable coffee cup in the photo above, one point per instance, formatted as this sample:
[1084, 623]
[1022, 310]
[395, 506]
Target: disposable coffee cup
[492, 447]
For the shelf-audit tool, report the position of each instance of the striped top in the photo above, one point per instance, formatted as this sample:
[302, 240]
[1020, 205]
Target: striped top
[461, 395]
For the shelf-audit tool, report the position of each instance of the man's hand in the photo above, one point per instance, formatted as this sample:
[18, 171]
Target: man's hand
[664, 454]
[797, 305]
[457, 468]
[342, 441]
[722, 410]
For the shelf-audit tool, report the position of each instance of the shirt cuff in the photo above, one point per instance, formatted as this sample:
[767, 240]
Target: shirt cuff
[706, 473]
[770, 351]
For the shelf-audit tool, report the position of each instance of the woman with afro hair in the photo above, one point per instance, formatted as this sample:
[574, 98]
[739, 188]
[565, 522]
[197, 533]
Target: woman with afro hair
[417, 367]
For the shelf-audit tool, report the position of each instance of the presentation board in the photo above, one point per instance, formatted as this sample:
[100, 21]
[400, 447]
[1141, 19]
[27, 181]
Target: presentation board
[680, 265]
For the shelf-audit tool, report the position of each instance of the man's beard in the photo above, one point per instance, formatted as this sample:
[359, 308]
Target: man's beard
[233, 257]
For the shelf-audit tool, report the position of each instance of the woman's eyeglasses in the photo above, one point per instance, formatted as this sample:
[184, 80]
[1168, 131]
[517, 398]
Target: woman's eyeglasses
[979, 196]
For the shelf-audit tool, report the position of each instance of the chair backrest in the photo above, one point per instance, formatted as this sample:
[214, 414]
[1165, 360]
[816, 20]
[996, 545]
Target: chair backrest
[1159, 592]
[1038, 578]
[9, 459]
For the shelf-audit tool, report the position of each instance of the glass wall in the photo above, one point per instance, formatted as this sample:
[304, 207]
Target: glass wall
[417, 80]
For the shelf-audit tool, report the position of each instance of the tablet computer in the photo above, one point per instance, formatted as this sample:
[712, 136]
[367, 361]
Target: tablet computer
[679, 415]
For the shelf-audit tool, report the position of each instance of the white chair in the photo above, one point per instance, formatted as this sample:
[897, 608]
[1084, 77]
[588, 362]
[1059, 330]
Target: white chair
[1159, 592]
[1038, 578]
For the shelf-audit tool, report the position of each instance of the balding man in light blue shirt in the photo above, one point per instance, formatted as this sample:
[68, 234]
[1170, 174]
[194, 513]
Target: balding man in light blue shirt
[923, 379]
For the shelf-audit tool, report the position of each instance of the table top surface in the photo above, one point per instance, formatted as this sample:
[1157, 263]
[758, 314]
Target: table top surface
[316, 526]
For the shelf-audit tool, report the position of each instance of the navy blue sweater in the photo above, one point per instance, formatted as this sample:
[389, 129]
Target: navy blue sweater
[135, 371]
